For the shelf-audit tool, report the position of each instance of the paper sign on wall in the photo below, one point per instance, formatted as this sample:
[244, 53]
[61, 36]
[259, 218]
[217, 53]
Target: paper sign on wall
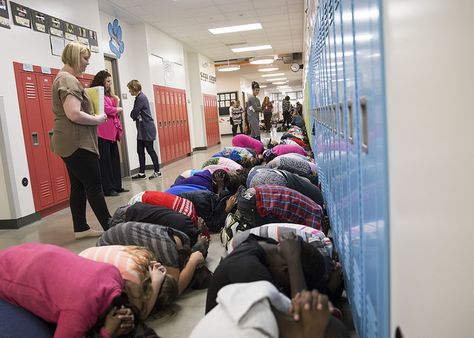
[70, 31]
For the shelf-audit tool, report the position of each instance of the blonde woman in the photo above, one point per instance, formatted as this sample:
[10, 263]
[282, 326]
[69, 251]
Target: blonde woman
[75, 140]
[146, 281]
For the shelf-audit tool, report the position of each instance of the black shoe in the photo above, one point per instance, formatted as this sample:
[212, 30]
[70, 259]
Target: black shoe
[139, 176]
[154, 175]
[122, 190]
[111, 193]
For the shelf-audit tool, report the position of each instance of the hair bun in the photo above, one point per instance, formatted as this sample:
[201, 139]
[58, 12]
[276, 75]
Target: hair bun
[255, 85]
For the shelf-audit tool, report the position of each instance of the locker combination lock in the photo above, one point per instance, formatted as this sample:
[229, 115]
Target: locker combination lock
[24, 181]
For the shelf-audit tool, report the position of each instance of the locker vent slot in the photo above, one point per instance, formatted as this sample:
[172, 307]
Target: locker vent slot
[45, 189]
[30, 90]
[47, 91]
[61, 184]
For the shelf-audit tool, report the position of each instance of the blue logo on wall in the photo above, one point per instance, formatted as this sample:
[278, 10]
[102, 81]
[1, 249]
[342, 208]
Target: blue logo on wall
[116, 44]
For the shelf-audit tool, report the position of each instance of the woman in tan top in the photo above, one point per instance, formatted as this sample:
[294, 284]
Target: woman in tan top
[75, 140]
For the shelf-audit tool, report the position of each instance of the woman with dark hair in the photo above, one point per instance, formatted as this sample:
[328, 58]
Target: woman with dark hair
[254, 108]
[286, 106]
[267, 107]
[109, 134]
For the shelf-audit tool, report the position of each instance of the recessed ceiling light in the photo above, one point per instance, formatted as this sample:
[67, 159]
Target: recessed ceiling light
[274, 74]
[248, 49]
[228, 68]
[279, 82]
[268, 69]
[233, 29]
[262, 60]
[277, 79]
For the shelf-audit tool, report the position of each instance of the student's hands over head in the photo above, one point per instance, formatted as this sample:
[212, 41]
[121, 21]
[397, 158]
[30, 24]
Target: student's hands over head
[229, 205]
[290, 248]
[157, 272]
[314, 310]
[119, 321]
[197, 257]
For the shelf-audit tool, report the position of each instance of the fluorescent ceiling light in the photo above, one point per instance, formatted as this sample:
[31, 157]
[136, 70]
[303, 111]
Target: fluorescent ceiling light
[277, 79]
[233, 29]
[274, 74]
[268, 69]
[263, 86]
[262, 60]
[284, 87]
[248, 49]
[279, 82]
[228, 68]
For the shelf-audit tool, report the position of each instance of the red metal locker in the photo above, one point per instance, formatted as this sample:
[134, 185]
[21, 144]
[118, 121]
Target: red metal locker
[182, 135]
[35, 139]
[164, 147]
[173, 123]
[211, 119]
[159, 120]
[172, 155]
[59, 175]
[186, 124]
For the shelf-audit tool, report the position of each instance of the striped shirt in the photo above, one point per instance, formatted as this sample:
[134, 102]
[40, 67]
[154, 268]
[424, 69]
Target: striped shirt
[287, 205]
[166, 200]
[117, 256]
[157, 238]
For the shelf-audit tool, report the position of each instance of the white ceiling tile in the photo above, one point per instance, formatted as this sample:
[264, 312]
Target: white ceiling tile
[269, 3]
[272, 10]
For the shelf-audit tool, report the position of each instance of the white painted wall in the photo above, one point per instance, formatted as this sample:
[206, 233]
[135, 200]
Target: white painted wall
[228, 82]
[429, 72]
[197, 123]
[127, 66]
[5, 189]
[28, 46]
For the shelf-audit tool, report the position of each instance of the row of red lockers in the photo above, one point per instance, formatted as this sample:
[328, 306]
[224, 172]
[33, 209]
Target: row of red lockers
[49, 179]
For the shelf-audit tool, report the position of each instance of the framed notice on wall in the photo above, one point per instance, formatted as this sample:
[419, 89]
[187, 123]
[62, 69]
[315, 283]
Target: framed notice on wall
[21, 15]
[4, 15]
[70, 31]
[40, 21]
[224, 101]
[56, 27]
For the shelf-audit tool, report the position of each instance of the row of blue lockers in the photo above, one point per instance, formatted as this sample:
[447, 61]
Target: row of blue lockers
[348, 123]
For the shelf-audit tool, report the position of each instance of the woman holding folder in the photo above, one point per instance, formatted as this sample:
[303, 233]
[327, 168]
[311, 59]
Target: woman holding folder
[109, 134]
[75, 140]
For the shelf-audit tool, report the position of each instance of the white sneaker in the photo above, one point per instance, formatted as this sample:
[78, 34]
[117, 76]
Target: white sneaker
[88, 233]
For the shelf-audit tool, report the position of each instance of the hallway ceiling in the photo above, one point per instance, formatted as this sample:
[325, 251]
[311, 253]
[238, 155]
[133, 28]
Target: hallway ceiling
[189, 20]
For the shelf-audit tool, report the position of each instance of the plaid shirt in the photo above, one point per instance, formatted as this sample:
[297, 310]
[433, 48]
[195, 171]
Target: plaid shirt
[288, 205]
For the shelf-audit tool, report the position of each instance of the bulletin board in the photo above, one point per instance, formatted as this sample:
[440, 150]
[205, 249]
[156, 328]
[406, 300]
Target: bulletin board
[224, 100]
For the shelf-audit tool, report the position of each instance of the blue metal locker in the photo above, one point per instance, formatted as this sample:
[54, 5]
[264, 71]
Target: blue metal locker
[347, 105]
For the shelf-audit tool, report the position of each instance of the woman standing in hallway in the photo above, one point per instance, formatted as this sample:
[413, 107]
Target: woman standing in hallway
[267, 108]
[75, 140]
[146, 130]
[236, 112]
[109, 134]
[254, 108]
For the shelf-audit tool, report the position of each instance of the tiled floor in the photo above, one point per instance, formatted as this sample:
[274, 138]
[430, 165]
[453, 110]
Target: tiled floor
[57, 229]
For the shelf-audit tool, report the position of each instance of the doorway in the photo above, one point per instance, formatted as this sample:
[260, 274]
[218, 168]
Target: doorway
[112, 68]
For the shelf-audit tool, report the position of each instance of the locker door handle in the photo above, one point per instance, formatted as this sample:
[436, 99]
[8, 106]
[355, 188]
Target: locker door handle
[365, 124]
[164, 124]
[35, 139]
[50, 133]
[159, 124]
